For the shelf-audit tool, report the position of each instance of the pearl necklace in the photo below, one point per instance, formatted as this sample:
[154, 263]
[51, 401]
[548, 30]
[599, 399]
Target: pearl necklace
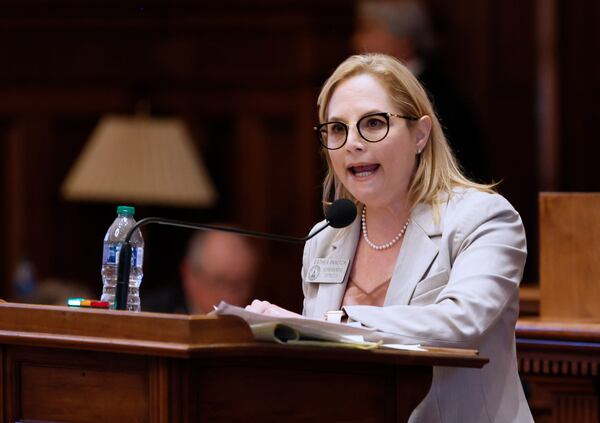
[383, 246]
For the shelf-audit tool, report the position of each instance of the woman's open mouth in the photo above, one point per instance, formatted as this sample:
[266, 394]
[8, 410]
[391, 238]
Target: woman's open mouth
[362, 171]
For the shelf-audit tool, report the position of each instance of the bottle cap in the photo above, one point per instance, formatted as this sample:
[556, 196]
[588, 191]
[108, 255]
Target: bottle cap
[126, 210]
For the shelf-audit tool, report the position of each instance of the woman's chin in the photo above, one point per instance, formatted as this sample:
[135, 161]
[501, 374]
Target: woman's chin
[374, 199]
[368, 197]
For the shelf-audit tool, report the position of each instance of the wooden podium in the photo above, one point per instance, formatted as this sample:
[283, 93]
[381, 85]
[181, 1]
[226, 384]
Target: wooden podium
[84, 365]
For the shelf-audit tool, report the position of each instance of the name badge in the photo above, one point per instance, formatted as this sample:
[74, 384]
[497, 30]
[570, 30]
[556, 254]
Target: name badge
[323, 270]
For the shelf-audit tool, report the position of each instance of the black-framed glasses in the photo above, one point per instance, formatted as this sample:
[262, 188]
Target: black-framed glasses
[373, 127]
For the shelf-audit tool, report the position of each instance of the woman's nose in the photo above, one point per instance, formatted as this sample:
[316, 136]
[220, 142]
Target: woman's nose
[354, 141]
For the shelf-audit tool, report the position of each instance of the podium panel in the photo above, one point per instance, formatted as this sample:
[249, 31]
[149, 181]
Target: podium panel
[82, 386]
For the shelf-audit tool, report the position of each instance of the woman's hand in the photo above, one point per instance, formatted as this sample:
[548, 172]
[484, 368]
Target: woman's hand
[265, 307]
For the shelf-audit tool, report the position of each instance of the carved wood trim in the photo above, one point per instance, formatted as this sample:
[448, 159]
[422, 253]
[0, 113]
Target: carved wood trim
[558, 364]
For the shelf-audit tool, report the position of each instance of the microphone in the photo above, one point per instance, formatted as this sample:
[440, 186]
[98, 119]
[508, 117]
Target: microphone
[340, 214]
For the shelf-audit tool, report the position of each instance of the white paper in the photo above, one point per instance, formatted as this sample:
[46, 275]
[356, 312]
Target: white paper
[308, 328]
[405, 347]
[355, 338]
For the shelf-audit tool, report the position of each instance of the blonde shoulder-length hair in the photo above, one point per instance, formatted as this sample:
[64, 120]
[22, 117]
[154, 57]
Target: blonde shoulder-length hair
[437, 171]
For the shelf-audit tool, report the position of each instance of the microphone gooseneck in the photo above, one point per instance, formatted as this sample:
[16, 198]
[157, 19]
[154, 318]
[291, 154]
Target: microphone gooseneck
[340, 214]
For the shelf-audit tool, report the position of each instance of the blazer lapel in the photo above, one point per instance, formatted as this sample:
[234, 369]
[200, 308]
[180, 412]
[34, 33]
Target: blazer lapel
[416, 255]
[344, 246]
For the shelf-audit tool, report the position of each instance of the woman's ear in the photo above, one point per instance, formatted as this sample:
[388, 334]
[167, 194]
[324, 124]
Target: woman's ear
[422, 131]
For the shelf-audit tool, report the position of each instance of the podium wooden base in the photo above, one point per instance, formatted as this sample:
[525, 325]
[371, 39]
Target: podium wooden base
[146, 367]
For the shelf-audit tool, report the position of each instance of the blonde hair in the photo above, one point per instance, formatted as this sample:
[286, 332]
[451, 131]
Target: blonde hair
[437, 169]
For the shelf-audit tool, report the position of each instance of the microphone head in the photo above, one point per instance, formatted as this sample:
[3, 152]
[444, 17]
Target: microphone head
[341, 213]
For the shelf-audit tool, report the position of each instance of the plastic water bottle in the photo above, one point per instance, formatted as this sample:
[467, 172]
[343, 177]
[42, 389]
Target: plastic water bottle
[113, 240]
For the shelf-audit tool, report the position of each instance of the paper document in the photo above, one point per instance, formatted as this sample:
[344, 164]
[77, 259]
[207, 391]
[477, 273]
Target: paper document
[294, 328]
[284, 334]
[405, 347]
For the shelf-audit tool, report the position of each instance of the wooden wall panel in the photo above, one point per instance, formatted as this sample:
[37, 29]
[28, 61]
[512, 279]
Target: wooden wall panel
[579, 66]
[529, 69]
[490, 56]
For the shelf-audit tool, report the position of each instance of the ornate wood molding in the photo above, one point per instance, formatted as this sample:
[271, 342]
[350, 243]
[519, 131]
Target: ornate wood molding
[559, 363]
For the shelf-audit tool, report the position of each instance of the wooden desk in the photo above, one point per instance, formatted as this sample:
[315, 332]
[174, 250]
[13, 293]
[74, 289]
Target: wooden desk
[86, 365]
[559, 360]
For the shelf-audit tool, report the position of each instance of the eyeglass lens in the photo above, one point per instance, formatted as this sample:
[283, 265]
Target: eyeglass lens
[371, 128]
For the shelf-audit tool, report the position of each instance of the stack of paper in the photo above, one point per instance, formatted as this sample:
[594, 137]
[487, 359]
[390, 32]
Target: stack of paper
[300, 329]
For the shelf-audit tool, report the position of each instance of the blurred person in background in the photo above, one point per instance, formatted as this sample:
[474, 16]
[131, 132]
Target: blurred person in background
[402, 28]
[218, 266]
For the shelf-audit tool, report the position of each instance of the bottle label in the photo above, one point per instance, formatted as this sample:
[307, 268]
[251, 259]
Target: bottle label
[111, 254]
[138, 256]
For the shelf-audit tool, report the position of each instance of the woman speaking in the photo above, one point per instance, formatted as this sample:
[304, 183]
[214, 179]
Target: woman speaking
[432, 258]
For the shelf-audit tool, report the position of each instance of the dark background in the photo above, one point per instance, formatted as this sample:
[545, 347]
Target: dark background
[245, 75]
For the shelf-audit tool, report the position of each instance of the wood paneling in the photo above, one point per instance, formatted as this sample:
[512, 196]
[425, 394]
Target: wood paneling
[368, 390]
[569, 245]
[490, 56]
[579, 87]
[59, 326]
[117, 385]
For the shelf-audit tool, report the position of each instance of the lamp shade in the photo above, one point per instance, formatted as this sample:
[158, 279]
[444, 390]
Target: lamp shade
[140, 160]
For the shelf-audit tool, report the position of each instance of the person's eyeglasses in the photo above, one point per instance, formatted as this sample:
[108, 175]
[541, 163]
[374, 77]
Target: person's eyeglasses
[371, 128]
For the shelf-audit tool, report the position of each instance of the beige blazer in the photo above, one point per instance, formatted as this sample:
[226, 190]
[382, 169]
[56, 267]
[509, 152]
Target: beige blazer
[455, 284]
